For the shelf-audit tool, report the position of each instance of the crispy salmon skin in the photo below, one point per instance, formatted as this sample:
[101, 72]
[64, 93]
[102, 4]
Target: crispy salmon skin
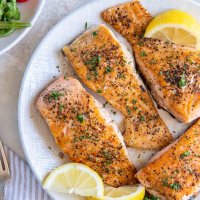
[174, 173]
[130, 19]
[107, 68]
[173, 74]
[83, 130]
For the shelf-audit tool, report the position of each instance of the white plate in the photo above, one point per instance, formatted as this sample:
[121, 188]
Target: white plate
[37, 141]
[30, 11]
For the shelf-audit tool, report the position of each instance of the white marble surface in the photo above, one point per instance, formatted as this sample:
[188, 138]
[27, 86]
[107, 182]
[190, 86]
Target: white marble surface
[13, 64]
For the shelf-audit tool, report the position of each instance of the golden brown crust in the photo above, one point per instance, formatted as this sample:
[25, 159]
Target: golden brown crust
[101, 63]
[129, 19]
[82, 132]
[173, 74]
[175, 173]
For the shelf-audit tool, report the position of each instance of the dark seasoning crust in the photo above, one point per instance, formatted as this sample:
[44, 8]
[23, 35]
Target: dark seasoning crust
[181, 69]
[176, 172]
[110, 72]
[130, 19]
[86, 141]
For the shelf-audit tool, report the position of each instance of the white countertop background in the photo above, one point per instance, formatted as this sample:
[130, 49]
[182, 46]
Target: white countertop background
[14, 62]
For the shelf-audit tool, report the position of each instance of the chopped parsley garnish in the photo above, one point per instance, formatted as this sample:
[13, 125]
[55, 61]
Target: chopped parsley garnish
[86, 25]
[108, 69]
[151, 198]
[61, 107]
[142, 54]
[128, 110]
[185, 154]
[165, 182]
[197, 155]
[99, 91]
[175, 186]
[93, 63]
[134, 101]
[142, 118]
[135, 108]
[108, 162]
[55, 95]
[94, 34]
[73, 50]
[160, 73]
[80, 118]
[88, 77]
[182, 81]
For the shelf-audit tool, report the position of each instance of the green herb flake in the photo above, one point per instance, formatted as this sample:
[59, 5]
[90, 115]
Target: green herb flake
[108, 162]
[88, 77]
[160, 73]
[55, 95]
[165, 182]
[182, 81]
[142, 118]
[151, 198]
[108, 69]
[175, 186]
[73, 50]
[80, 118]
[142, 54]
[94, 34]
[128, 110]
[185, 154]
[99, 91]
[135, 108]
[61, 107]
[134, 101]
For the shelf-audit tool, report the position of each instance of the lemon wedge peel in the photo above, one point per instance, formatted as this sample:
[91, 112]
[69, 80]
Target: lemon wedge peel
[75, 178]
[175, 26]
[134, 192]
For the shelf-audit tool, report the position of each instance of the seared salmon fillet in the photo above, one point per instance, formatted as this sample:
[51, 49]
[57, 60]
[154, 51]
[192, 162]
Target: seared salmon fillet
[172, 71]
[173, 74]
[107, 68]
[129, 19]
[174, 173]
[83, 130]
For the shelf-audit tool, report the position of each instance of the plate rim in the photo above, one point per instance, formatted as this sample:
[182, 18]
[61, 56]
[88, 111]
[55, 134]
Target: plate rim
[23, 34]
[23, 83]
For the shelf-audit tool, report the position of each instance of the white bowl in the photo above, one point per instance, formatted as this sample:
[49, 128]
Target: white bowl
[30, 11]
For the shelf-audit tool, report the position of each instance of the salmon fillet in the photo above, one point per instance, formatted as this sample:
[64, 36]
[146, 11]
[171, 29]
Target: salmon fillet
[129, 19]
[83, 130]
[174, 173]
[173, 74]
[107, 68]
[171, 71]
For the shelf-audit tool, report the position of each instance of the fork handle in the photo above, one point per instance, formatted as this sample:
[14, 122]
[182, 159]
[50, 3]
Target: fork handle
[1, 191]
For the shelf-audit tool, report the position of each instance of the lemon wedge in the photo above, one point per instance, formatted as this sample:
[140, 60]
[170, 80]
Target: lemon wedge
[175, 26]
[74, 178]
[131, 192]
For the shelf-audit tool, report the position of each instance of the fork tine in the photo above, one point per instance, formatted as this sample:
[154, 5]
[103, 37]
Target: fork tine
[4, 159]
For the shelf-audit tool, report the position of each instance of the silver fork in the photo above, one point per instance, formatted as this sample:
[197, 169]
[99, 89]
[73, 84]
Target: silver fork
[4, 171]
